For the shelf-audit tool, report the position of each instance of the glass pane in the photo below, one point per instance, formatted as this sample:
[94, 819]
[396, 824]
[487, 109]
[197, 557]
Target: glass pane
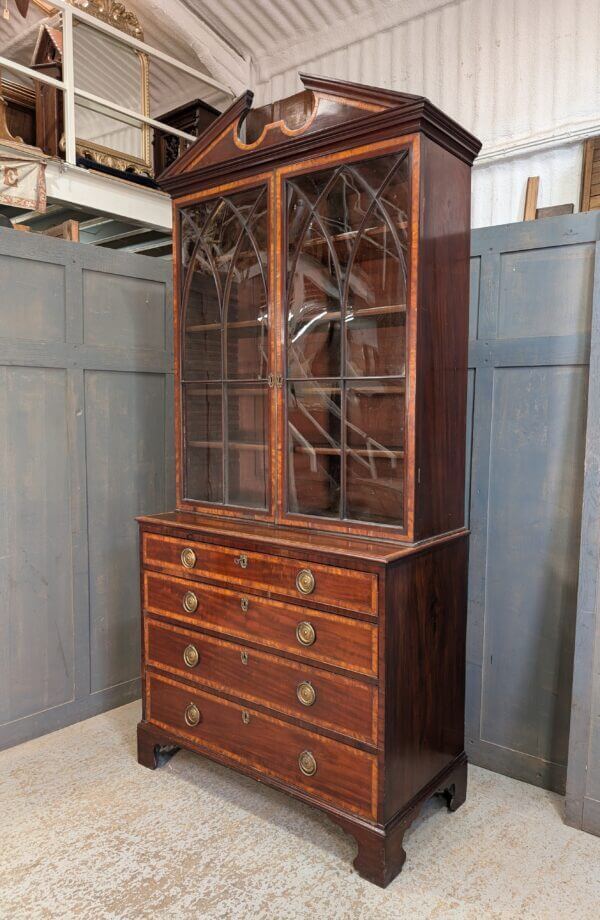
[225, 333]
[375, 296]
[202, 339]
[376, 343]
[375, 426]
[246, 308]
[247, 444]
[314, 291]
[203, 442]
[201, 297]
[224, 258]
[347, 283]
[314, 456]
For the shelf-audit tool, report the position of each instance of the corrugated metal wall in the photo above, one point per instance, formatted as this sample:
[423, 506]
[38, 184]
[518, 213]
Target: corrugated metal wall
[523, 75]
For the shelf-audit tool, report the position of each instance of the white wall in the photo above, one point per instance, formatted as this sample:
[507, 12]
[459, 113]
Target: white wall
[522, 75]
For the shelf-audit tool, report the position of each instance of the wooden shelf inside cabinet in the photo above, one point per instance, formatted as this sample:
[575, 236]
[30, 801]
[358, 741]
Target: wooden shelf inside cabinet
[333, 387]
[213, 387]
[379, 230]
[328, 316]
[359, 452]
[235, 445]
[237, 324]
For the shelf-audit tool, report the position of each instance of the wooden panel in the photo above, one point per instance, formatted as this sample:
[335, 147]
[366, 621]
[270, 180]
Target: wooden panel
[125, 436]
[20, 110]
[339, 588]
[340, 641]
[141, 325]
[426, 599]
[582, 803]
[35, 308]
[45, 577]
[546, 291]
[36, 595]
[442, 342]
[534, 506]
[527, 462]
[474, 282]
[345, 775]
[341, 705]
[590, 177]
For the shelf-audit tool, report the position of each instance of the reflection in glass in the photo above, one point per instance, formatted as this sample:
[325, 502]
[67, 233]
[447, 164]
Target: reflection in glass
[314, 462]
[224, 318]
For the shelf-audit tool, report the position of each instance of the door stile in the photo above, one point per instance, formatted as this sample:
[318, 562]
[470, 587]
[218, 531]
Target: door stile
[177, 403]
[275, 306]
[280, 262]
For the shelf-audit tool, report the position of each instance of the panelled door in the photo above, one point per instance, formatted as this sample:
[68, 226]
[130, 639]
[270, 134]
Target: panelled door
[227, 405]
[343, 292]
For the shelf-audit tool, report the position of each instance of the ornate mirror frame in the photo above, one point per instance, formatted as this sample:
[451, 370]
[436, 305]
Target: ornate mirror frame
[117, 15]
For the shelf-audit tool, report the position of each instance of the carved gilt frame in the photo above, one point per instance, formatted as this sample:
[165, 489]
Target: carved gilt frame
[117, 15]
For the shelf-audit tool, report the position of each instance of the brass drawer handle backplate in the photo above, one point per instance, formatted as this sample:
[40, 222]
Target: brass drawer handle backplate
[245, 716]
[244, 604]
[190, 602]
[192, 714]
[244, 656]
[191, 656]
[305, 581]
[307, 763]
[241, 560]
[306, 693]
[188, 557]
[305, 633]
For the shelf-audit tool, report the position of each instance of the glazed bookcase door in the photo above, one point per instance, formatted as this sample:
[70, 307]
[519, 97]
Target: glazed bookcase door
[346, 240]
[225, 357]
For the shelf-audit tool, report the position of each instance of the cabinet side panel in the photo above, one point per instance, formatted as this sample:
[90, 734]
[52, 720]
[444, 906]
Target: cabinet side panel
[426, 607]
[443, 315]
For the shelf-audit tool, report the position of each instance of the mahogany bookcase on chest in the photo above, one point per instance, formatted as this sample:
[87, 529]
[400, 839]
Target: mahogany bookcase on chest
[304, 607]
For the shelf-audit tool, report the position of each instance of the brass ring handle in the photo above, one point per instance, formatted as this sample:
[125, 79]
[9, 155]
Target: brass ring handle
[244, 656]
[244, 604]
[188, 557]
[306, 693]
[307, 763]
[189, 602]
[245, 716]
[305, 633]
[192, 714]
[305, 581]
[191, 656]
[241, 560]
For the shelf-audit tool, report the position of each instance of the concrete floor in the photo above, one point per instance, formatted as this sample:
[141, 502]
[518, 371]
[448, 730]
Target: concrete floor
[87, 833]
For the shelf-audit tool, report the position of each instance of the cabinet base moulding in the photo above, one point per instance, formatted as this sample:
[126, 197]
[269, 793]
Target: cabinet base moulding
[381, 853]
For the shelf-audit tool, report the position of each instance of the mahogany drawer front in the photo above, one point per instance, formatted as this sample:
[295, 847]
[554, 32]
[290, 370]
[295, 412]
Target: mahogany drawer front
[341, 588]
[344, 775]
[334, 640]
[316, 696]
